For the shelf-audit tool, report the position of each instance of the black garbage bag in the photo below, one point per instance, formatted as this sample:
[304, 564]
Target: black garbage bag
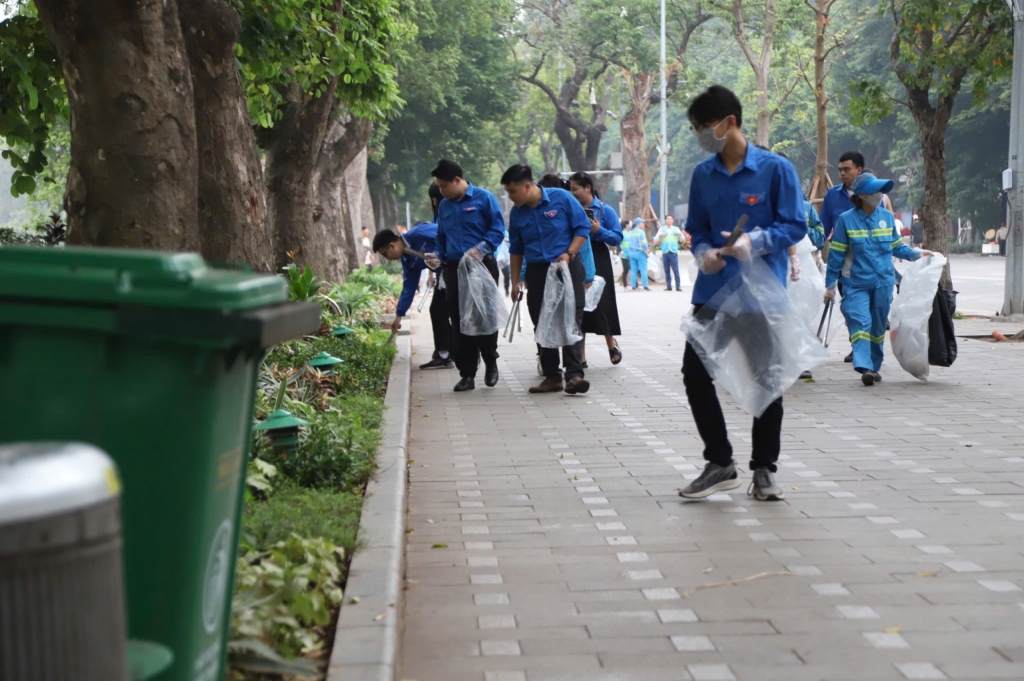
[941, 335]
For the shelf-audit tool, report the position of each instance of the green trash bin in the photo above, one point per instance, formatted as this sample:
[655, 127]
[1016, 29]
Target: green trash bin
[152, 357]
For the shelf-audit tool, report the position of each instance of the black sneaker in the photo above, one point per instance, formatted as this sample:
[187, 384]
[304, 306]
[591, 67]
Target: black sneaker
[806, 375]
[869, 378]
[849, 358]
[439, 363]
[715, 478]
[763, 488]
[467, 383]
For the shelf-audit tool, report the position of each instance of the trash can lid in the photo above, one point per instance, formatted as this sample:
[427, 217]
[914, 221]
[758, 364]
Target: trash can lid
[40, 479]
[132, 277]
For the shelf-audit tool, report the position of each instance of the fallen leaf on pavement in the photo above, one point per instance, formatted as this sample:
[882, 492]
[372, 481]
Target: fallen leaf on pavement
[439, 545]
[893, 630]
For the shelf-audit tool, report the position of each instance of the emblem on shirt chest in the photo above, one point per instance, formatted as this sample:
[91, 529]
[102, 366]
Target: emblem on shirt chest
[470, 209]
[752, 199]
[551, 213]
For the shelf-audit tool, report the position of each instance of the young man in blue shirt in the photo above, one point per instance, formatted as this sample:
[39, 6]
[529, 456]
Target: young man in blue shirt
[738, 179]
[469, 224]
[547, 225]
[410, 248]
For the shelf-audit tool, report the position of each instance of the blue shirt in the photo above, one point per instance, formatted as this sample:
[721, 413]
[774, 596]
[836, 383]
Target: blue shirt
[863, 247]
[815, 230]
[610, 229]
[836, 202]
[543, 232]
[636, 241]
[420, 238]
[463, 224]
[766, 189]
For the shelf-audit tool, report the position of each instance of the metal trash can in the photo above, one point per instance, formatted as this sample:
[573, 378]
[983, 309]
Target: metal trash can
[61, 592]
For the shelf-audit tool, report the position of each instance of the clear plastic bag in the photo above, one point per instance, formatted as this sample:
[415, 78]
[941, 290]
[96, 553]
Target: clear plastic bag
[502, 255]
[808, 292]
[556, 325]
[751, 338]
[481, 307]
[908, 318]
[594, 294]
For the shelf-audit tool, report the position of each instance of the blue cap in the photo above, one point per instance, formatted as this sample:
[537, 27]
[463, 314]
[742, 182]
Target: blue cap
[866, 183]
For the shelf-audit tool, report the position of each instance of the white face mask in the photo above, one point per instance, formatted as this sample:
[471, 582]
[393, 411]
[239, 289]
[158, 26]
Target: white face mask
[708, 141]
[873, 200]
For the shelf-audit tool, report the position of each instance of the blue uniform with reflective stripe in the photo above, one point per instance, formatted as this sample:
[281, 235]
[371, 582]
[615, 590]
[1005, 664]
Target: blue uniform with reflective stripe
[766, 189]
[815, 230]
[463, 224]
[861, 254]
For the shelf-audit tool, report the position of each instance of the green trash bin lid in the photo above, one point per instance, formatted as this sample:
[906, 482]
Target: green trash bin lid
[109, 276]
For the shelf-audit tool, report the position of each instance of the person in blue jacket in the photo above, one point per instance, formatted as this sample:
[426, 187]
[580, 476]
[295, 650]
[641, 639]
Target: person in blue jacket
[636, 241]
[410, 248]
[469, 224]
[548, 225]
[737, 179]
[863, 246]
[605, 234]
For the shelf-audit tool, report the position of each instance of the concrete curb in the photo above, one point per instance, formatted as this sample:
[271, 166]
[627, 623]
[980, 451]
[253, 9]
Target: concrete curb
[367, 638]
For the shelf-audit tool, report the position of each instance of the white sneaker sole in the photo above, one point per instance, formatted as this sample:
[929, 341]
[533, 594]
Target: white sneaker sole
[724, 485]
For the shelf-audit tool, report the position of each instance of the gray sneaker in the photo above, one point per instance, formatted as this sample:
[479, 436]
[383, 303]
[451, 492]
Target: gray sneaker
[763, 488]
[715, 478]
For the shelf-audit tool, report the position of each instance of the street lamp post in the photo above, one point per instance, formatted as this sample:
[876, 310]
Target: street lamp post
[663, 189]
[1013, 298]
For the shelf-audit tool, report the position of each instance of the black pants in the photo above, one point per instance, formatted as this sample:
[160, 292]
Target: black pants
[506, 277]
[439, 322]
[752, 333]
[468, 350]
[572, 355]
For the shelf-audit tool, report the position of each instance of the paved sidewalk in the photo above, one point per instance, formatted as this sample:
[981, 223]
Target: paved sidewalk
[563, 552]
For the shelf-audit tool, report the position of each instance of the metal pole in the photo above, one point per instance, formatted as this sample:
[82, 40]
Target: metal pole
[1013, 298]
[408, 216]
[663, 189]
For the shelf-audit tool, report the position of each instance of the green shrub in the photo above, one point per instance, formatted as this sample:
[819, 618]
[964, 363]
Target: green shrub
[367, 359]
[292, 510]
[378, 281]
[337, 449]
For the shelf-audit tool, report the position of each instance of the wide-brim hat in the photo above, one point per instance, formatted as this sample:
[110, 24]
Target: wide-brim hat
[866, 183]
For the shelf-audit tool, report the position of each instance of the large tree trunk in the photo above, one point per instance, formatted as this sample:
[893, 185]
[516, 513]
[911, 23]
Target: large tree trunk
[360, 204]
[133, 175]
[933, 212]
[760, 63]
[331, 212]
[232, 204]
[764, 119]
[291, 167]
[635, 154]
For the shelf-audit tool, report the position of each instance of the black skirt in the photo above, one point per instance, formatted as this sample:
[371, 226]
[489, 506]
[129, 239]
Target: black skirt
[604, 320]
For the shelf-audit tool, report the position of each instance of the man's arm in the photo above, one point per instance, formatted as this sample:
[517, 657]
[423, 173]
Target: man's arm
[827, 223]
[516, 263]
[698, 224]
[496, 228]
[410, 282]
[790, 224]
[837, 254]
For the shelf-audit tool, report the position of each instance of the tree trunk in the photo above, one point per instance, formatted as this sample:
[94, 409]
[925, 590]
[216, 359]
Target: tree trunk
[822, 181]
[635, 155]
[360, 204]
[331, 214]
[933, 213]
[291, 168]
[232, 205]
[133, 175]
[764, 119]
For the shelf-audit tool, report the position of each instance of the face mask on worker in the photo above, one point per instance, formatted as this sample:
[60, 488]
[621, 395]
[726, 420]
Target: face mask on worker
[873, 200]
[708, 141]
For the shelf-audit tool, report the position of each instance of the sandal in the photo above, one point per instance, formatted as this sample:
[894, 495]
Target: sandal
[615, 354]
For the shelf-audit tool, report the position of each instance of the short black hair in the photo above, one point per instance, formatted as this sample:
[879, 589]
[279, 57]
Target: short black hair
[384, 238]
[584, 180]
[553, 181]
[715, 104]
[517, 173]
[446, 170]
[854, 157]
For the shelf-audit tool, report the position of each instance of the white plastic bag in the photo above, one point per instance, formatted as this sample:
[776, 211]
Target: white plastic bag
[808, 292]
[481, 307]
[757, 344]
[502, 255]
[908, 318]
[594, 294]
[556, 325]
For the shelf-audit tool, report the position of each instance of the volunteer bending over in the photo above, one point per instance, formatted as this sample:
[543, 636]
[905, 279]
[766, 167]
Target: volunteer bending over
[863, 246]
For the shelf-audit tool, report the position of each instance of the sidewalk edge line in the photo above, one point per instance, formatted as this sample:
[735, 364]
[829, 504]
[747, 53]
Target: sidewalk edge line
[368, 633]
